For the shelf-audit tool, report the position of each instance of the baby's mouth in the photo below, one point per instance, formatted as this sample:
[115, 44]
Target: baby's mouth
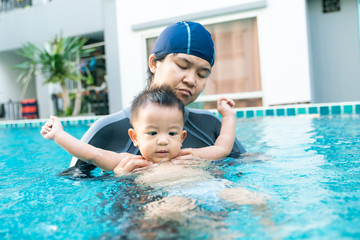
[162, 153]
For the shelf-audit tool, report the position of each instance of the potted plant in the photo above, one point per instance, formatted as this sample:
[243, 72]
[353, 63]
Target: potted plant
[58, 61]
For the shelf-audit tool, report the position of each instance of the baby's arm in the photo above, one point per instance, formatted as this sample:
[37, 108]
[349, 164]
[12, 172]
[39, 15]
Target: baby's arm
[225, 141]
[106, 160]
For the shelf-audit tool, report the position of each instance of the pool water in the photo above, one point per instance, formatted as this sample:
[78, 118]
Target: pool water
[309, 167]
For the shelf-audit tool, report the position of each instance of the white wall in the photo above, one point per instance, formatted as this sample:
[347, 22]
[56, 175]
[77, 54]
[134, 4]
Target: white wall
[284, 56]
[335, 52]
[9, 88]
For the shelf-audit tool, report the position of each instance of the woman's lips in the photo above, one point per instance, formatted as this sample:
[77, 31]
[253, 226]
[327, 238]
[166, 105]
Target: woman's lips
[185, 92]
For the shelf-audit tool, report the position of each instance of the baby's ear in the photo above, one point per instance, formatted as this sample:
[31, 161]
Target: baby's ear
[183, 135]
[133, 136]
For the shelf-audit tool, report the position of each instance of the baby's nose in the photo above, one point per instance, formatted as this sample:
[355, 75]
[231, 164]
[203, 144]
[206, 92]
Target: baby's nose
[163, 140]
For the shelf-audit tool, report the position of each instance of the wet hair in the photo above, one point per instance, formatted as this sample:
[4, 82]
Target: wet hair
[161, 95]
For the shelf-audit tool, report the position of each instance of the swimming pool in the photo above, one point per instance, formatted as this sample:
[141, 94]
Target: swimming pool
[309, 166]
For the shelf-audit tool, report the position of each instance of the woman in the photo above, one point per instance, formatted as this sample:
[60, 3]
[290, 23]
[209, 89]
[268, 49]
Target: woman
[182, 58]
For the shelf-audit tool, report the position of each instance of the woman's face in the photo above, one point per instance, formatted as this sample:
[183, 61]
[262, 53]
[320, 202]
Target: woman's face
[185, 74]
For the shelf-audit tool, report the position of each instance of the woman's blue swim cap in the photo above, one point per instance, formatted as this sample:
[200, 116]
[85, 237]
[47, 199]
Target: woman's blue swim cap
[186, 37]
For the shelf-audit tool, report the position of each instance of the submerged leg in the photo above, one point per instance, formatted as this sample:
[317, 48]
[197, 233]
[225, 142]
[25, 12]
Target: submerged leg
[169, 207]
[243, 196]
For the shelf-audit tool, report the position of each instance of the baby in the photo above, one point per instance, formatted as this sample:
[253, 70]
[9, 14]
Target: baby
[157, 117]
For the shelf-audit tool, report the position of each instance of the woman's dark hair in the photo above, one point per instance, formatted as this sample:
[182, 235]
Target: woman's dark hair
[162, 95]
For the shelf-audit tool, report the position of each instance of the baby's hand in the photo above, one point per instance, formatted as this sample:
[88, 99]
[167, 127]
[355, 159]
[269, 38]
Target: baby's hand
[51, 128]
[225, 106]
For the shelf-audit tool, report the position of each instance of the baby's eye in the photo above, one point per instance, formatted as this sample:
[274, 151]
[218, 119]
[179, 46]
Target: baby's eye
[152, 133]
[172, 133]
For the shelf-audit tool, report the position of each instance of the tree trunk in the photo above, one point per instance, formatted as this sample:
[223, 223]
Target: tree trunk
[78, 98]
[65, 97]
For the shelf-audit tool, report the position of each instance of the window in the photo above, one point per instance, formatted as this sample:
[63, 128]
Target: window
[236, 72]
[237, 67]
[330, 6]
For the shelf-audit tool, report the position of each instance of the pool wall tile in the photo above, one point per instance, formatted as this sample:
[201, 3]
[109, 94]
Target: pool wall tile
[301, 110]
[280, 112]
[313, 110]
[348, 109]
[269, 112]
[357, 109]
[259, 113]
[249, 114]
[240, 114]
[290, 112]
[324, 110]
[336, 110]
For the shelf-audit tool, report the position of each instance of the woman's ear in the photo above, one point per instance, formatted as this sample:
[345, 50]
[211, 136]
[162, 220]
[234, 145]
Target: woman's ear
[152, 63]
[183, 135]
[133, 136]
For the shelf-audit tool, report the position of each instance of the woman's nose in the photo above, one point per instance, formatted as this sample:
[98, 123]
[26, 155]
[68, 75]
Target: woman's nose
[190, 79]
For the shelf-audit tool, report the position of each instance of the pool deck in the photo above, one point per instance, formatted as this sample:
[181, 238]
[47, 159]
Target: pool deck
[321, 109]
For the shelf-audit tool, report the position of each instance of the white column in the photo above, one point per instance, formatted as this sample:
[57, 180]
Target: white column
[45, 105]
[111, 38]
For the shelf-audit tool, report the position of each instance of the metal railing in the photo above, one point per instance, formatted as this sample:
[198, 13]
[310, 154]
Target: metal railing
[8, 5]
[10, 110]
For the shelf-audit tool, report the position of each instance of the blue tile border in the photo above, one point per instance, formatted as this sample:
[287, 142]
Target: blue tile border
[38, 123]
[331, 109]
[321, 109]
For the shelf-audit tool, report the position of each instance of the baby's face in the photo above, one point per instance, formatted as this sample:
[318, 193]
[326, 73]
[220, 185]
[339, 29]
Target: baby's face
[158, 132]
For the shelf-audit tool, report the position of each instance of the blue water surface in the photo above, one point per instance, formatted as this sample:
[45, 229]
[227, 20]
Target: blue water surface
[308, 166]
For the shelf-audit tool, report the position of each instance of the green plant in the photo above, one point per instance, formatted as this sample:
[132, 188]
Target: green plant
[58, 61]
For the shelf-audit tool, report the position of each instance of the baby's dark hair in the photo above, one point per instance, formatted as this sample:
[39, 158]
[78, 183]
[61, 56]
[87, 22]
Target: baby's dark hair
[162, 95]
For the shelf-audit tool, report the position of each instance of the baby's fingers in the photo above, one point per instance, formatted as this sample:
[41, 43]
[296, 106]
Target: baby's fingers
[45, 129]
[227, 101]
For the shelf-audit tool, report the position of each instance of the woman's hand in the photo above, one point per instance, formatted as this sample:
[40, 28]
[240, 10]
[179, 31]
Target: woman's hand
[186, 156]
[130, 162]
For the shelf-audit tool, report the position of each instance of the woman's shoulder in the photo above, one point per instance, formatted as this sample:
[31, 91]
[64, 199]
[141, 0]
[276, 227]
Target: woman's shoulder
[114, 117]
[202, 115]
[115, 122]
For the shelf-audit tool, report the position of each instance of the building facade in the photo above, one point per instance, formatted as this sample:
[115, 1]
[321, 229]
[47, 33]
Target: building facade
[268, 52]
